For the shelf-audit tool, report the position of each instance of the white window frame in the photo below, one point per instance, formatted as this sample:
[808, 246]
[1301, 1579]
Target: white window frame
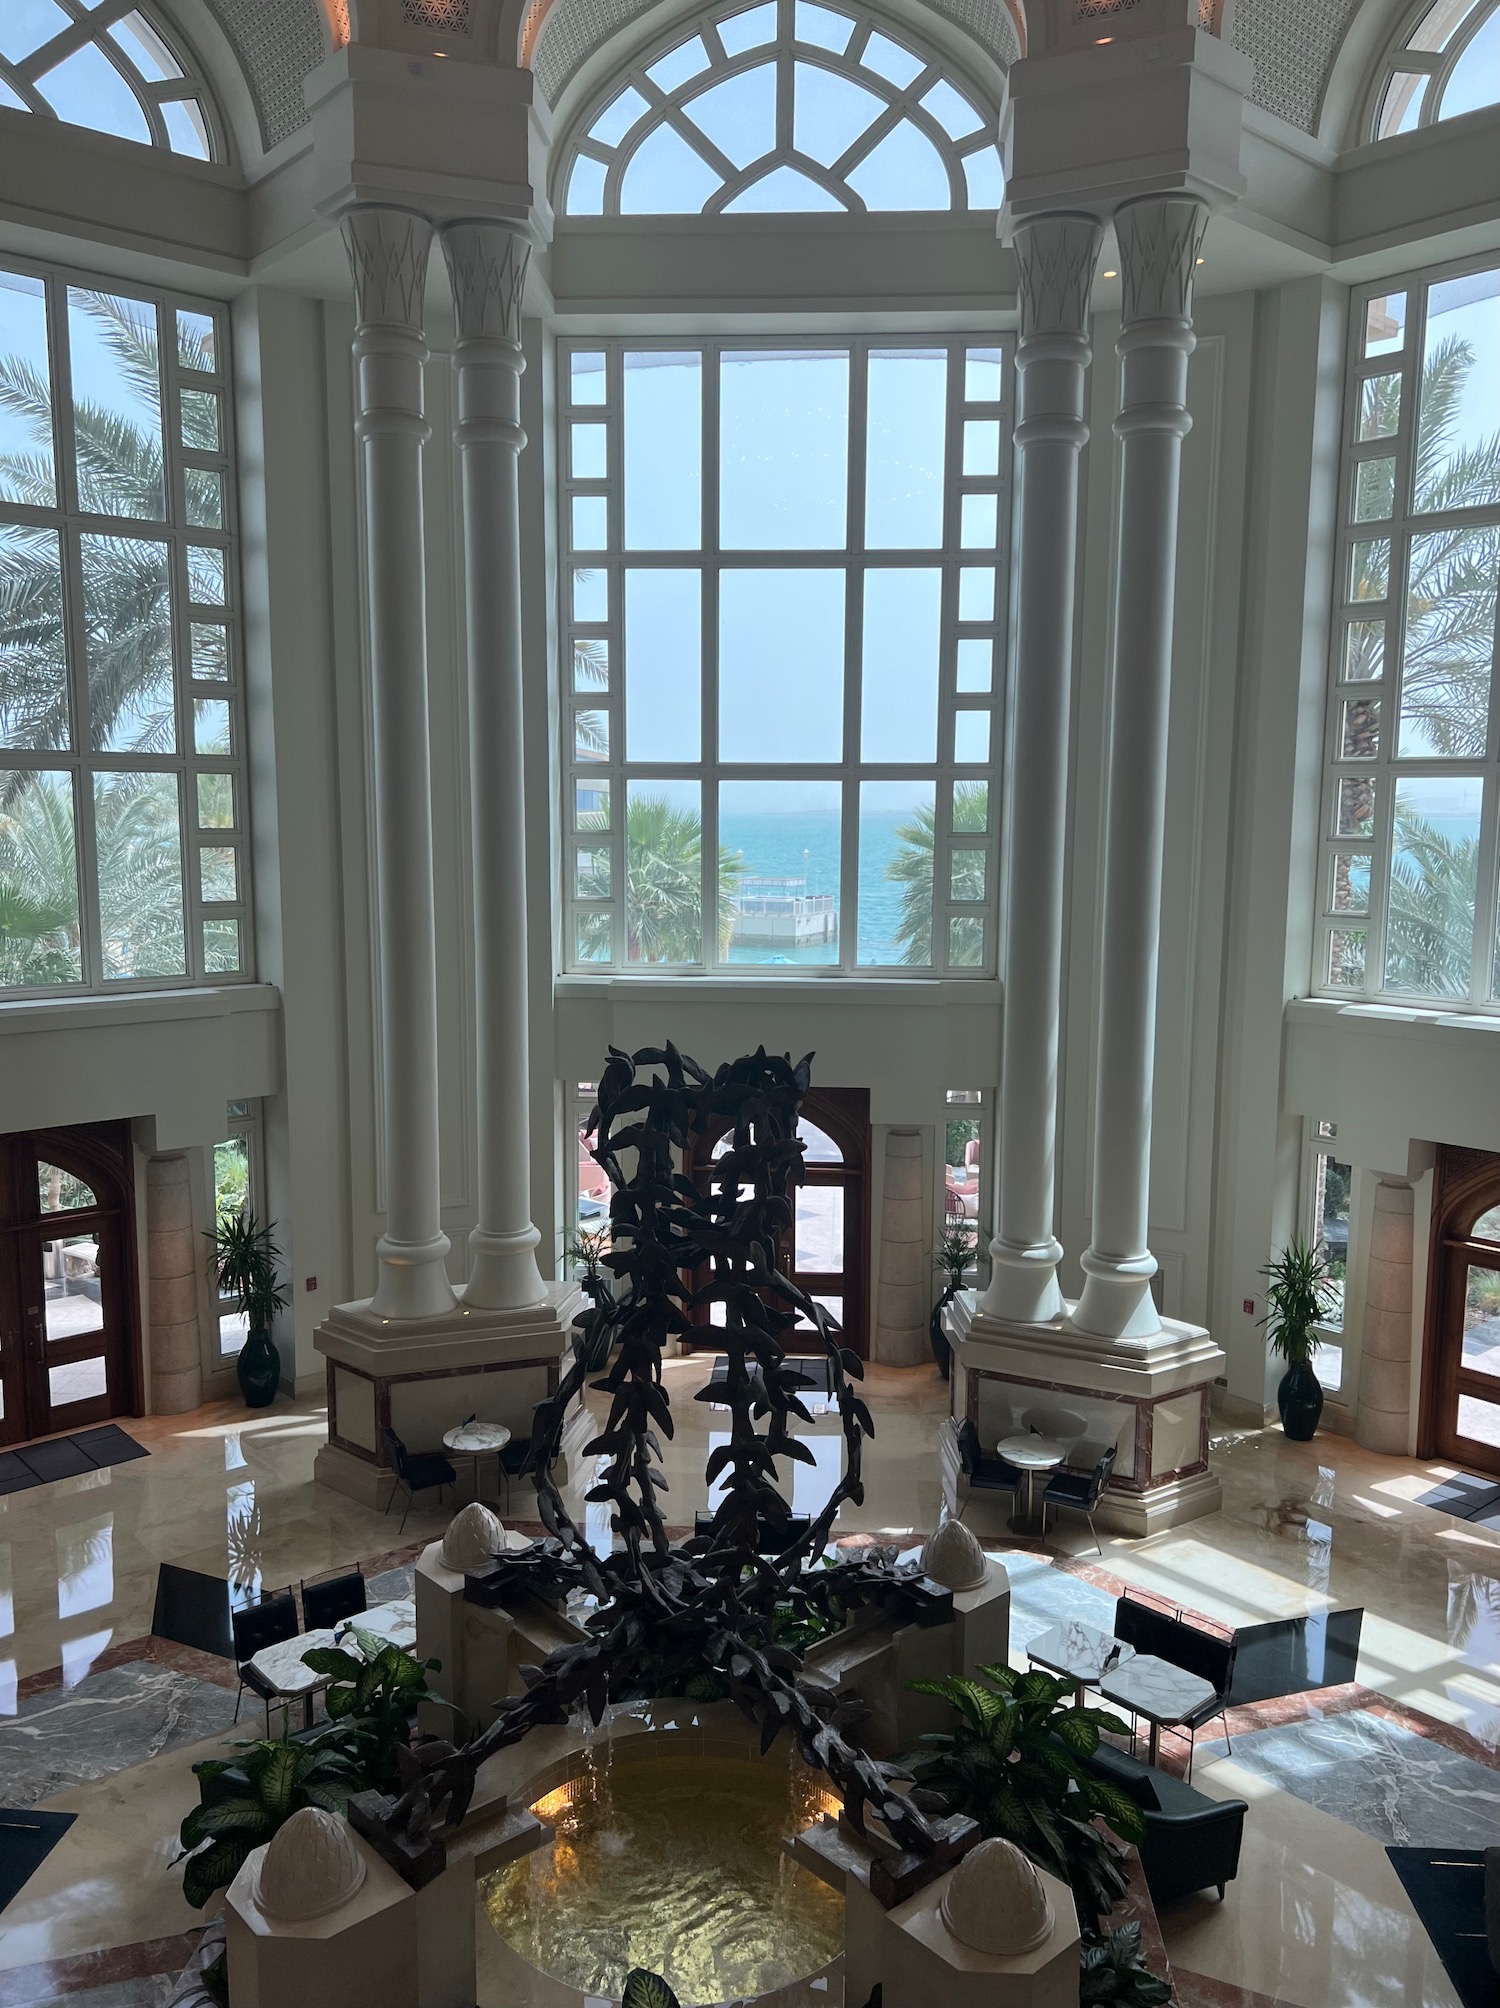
[1385, 769]
[1435, 66]
[71, 522]
[852, 559]
[27, 78]
[668, 106]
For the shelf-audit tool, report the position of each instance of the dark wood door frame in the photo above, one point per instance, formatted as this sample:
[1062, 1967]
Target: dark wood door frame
[1467, 1185]
[844, 1115]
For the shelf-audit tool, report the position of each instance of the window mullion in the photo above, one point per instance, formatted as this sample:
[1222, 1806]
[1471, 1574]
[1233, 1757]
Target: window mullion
[856, 566]
[708, 744]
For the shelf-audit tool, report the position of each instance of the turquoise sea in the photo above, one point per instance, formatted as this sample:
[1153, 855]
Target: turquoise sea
[791, 846]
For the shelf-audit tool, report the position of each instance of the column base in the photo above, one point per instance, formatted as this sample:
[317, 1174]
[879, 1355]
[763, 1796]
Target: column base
[422, 1376]
[1024, 1289]
[503, 1275]
[1151, 1399]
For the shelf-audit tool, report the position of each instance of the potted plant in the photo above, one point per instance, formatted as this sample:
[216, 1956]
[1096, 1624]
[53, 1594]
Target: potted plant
[588, 1249]
[1299, 1297]
[245, 1259]
[951, 1259]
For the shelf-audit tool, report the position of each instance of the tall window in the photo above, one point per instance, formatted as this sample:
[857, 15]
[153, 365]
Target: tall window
[238, 1185]
[1413, 796]
[108, 66]
[785, 609]
[1447, 62]
[123, 854]
[1327, 1187]
[779, 107]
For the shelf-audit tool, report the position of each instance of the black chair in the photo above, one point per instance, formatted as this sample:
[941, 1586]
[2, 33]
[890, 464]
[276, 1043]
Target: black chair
[327, 1604]
[1182, 1644]
[1079, 1489]
[512, 1457]
[985, 1474]
[1192, 1842]
[420, 1471]
[270, 1622]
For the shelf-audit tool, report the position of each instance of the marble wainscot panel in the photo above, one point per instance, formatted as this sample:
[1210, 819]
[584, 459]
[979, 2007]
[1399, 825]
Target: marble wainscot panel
[1150, 1399]
[62, 1738]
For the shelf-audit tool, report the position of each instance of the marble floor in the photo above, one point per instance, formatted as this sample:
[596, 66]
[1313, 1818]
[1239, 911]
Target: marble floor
[1317, 1915]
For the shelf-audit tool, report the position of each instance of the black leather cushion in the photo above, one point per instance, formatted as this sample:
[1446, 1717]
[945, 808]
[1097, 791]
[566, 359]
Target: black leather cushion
[1152, 1631]
[1138, 1780]
[327, 1604]
[270, 1622]
[970, 1454]
[427, 1468]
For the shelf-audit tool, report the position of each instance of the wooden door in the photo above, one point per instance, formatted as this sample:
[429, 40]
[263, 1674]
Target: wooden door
[826, 1252]
[1460, 1415]
[69, 1313]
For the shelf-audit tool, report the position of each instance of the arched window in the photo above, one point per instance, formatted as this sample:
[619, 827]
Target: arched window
[780, 107]
[1446, 63]
[108, 67]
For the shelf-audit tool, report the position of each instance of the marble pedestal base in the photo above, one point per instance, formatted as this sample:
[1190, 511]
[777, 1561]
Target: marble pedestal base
[421, 1376]
[1151, 1402]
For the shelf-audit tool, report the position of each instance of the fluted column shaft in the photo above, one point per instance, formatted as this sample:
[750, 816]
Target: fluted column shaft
[487, 264]
[388, 252]
[1056, 256]
[1159, 238]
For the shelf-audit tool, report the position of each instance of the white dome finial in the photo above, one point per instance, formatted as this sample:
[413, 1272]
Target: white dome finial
[310, 1868]
[475, 1536]
[954, 1558]
[995, 1902]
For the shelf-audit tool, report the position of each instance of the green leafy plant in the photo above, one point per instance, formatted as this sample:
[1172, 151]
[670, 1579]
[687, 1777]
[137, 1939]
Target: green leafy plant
[371, 1700]
[1300, 1297]
[588, 1249]
[1112, 1973]
[912, 869]
[1014, 1764]
[647, 1990]
[954, 1253]
[245, 1803]
[245, 1259]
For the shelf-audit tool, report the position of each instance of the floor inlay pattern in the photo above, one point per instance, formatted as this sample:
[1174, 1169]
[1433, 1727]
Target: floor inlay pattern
[63, 1738]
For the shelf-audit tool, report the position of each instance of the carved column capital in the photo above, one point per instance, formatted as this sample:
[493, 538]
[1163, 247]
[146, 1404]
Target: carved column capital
[388, 251]
[487, 264]
[1055, 257]
[1159, 238]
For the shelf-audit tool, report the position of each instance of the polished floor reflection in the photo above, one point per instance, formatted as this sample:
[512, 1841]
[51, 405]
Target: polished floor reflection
[1317, 1915]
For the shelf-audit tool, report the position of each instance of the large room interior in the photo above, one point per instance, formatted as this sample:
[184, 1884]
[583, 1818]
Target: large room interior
[503, 1461]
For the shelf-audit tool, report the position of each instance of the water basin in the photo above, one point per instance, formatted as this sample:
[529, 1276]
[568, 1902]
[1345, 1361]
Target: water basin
[675, 1864]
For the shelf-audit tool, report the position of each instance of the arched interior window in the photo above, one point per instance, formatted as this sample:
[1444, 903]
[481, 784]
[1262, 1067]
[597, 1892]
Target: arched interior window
[1447, 63]
[108, 67]
[782, 107]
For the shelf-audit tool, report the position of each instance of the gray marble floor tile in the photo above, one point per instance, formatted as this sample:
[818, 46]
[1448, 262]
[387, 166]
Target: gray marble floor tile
[110, 1721]
[1041, 1597]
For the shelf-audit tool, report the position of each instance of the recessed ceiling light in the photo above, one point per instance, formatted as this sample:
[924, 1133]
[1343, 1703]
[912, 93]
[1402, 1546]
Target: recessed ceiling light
[1111, 275]
[1200, 261]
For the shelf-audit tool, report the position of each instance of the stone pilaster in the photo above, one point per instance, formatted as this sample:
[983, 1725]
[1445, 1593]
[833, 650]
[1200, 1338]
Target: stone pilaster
[904, 1303]
[172, 1286]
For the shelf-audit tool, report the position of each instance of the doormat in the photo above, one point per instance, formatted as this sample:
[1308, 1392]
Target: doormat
[26, 1840]
[1446, 1887]
[1466, 1496]
[67, 1457]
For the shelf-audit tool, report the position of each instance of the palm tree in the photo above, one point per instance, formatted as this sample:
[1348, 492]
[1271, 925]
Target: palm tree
[663, 885]
[1429, 938]
[912, 868]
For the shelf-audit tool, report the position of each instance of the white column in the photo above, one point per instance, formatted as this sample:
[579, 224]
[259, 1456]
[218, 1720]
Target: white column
[1159, 238]
[487, 264]
[1056, 257]
[388, 251]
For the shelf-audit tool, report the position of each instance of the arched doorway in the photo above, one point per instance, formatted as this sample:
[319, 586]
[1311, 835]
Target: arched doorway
[1461, 1352]
[827, 1251]
[69, 1317]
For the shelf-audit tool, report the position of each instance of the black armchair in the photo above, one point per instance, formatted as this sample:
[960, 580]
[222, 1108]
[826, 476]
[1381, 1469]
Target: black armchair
[327, 1604]
[1184, 1645]
[1080, 1489]
[270, 1622]
[419, 1471]
[513, 1456]
[1192, 1842]
[985, 1474]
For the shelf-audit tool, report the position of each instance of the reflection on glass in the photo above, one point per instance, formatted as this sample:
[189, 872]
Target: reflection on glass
[781, 618]
[221, 947]
[1369, 568]
[1482, 1321]
[1364, 651]
[1346, 959]
[216, 801]
[137, 821]
[26, 467]
[1385, 323]
[780, 843]
[1351, 884]
[1434, 867]
[34, 709]
[590, 735]
[127, 612]
[85, 1566]
[784, 448]
[966, 941]
[1359, 729]
[72, 1296]
[1479, 1421]
[1448, 653]
[197, 344]
[1331, 1212]
[820, 1229]
[664, 872]
[904, 453]
[896, 825]
[591, 870]
[663, 665]
[1374, 489]
[899, 696]
[77, 1380]
[58, 1191]
[663, 450]
[591, 804]
[966, 874]
[210, 651]
[1354, 808]
[1380, 406]
[203, 498]
[116, 404]
[205, 569]
[200, 420]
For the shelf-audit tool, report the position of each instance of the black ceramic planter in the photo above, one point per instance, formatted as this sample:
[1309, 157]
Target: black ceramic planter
[1300, 1400]
[257, 1367]
[942, 1352]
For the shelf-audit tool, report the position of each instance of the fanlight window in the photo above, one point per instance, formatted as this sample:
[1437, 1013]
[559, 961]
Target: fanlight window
[1448, 64]
[781, 107]
[107, 67]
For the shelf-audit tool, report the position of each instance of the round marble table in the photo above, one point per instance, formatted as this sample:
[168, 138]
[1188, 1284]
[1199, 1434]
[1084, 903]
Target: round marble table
[1082, 1652]
[1030, 1454]
[475, 1440]
[1163, 1693]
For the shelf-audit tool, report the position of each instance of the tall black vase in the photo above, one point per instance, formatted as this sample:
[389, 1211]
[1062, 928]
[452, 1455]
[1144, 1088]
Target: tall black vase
[942, 1352]
[1300, 1400]
[257, 1367]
